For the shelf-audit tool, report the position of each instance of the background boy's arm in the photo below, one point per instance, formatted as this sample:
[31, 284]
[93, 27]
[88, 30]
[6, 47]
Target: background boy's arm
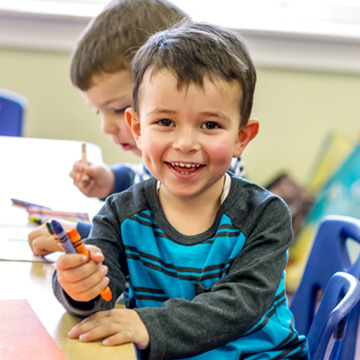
[127, 175]
[43, 243]
[124, 177]
[101, 179]
[107, 180]
[40, 240]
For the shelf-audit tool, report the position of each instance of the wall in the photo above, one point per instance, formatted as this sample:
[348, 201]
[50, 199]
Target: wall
[296, 108]
[56, 108]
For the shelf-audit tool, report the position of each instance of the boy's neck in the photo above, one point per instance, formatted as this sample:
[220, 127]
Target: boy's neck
[191, 215]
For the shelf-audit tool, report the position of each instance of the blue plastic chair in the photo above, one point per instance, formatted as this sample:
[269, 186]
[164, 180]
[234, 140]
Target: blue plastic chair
[12, 113]
[329, 254]
[341, 295]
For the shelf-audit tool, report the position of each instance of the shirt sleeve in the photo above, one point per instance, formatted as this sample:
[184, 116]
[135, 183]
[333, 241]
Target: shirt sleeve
[105, 234]
[124, 177]
[76, 308]
[83, 228]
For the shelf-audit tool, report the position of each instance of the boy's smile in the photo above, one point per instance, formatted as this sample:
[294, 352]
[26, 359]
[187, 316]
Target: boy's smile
[189, 135]
[184, 168]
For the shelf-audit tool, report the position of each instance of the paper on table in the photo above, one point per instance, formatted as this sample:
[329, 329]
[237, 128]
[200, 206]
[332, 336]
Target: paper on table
[23, 336]
[14, 246]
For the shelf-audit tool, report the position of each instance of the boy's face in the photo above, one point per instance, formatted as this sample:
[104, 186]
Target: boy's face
[188, 137]
[110, 95]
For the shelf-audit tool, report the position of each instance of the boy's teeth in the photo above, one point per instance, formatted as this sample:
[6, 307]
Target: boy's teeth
[185, 165]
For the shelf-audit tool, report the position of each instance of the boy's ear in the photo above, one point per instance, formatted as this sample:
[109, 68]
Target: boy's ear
[245, 135]
[133, 123]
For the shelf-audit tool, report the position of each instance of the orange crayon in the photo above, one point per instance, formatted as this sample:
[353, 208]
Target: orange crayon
[77, 242]
[80, 247]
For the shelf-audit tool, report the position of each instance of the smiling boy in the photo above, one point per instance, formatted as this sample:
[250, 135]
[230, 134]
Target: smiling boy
[205, 250]
[188, 138]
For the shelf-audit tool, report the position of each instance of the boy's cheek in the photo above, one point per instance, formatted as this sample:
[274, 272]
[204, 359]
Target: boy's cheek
[222, 154]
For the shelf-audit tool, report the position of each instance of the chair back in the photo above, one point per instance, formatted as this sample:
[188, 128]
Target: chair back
[340, 296]
[328, 255]
[12, 113]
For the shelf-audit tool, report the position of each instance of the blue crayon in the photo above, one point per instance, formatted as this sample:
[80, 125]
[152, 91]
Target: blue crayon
[63, 238]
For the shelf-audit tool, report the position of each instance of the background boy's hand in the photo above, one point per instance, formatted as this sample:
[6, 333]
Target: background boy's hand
[42, 242]
[101, 183]
[117, 326]
[80, 279]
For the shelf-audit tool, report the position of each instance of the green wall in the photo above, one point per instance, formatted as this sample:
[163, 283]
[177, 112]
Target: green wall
[296, 109]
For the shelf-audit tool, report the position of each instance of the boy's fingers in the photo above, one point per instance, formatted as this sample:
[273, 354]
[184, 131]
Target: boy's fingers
[122, 337]
[79, 166]
[95, 253]
[87, 324]
[87, 291]
[46, 245]
[36, 232]
[70, 261]
[100, 328]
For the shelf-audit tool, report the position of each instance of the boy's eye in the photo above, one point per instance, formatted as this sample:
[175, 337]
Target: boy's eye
[210, 125]
[120, 111]
[165, 122]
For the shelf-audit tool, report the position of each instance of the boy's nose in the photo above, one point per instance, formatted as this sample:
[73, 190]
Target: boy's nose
[107, 125]
[186, 141]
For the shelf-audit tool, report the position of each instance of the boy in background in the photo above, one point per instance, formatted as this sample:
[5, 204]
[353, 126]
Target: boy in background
[101, 70]
[205, 250]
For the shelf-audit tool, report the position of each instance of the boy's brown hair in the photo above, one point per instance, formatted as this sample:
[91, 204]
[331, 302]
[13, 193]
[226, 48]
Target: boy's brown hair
[111, 39]
[195, 50]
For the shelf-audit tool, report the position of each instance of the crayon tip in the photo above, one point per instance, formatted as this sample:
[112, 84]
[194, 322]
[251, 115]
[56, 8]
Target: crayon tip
[85, 180]
[73, 234]
[56, 227]
[48, 225]
[106, 294]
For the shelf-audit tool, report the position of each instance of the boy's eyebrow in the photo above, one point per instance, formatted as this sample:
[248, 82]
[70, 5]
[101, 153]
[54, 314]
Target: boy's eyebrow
[116, 99]
[218, 114]
[161, 110]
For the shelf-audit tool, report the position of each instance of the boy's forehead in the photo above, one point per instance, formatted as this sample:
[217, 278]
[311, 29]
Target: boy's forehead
[166, 82]
[151, 73]
[159, 76]
[108, 87]
[121, 78]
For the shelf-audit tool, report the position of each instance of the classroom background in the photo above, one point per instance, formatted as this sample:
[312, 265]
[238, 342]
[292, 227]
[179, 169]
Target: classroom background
[307, 99]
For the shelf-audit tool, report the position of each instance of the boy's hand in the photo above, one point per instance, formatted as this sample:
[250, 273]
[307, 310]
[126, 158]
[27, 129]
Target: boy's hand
[80, 279]
[117, 326]
[42, 242]
[101, 183]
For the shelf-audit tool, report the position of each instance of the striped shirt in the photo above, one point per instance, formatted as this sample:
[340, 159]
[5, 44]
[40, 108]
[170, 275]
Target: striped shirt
[216, 295]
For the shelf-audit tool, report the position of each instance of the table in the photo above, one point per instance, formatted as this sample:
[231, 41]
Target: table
[28, 174]
[32, 281]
